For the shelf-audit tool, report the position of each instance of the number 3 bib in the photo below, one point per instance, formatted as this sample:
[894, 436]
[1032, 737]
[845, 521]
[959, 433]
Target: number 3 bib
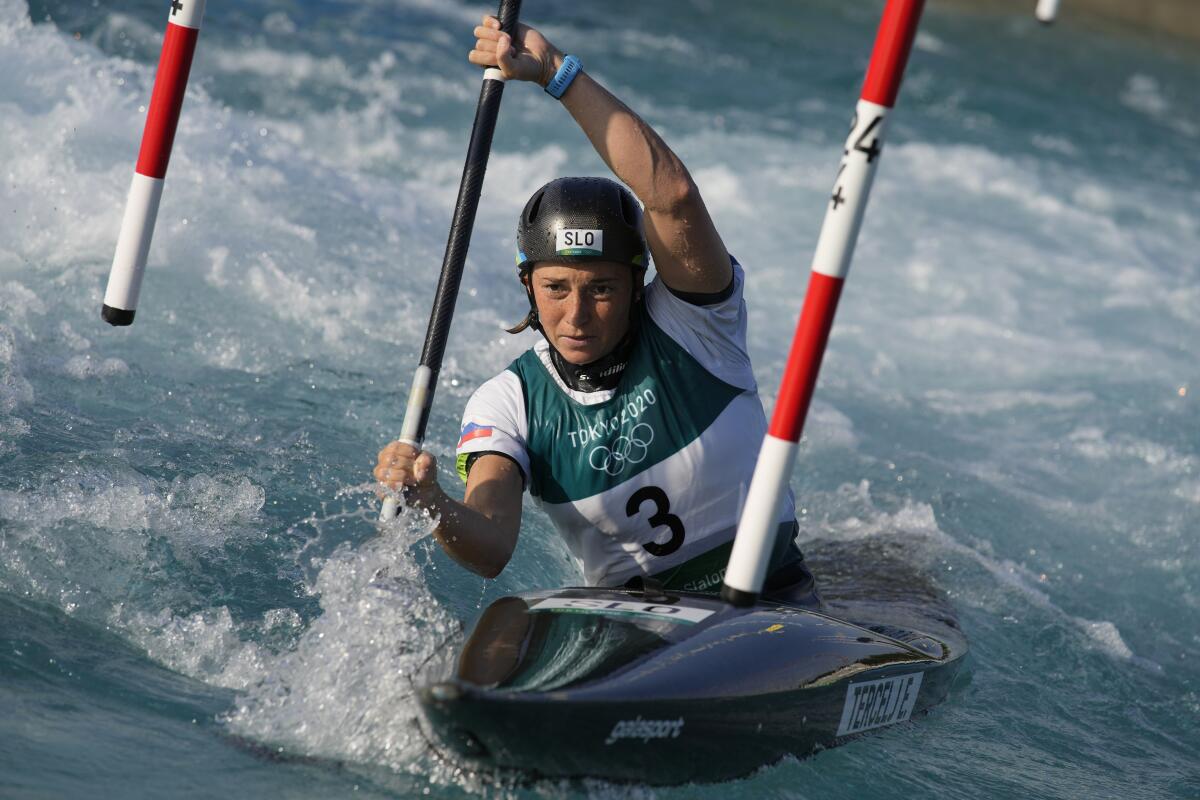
[651, 474]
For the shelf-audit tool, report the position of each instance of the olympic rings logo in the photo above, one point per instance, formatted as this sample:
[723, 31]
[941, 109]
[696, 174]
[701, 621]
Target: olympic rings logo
[631, 449]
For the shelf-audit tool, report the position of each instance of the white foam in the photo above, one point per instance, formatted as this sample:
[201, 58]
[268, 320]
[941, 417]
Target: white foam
[451, 9]
[345, 689]
[512, 178]
[1055, 144]
[84, 367]
[19, 302]
[205, 645]
[1144, 94]
[14, 389]
[829, 428]
[633, 43]
[851, 514]
[1094, 443]
[14, 17]
[968, 403]
[82, 540]
[723, 190]
[292, 69]
[1189, 491]
[201, 511]
[332, 312]
[976, 170]
[1108, 638]
[929, 43]
[1095, 197]
[1141, 287]
[73, 339]
[279, 23]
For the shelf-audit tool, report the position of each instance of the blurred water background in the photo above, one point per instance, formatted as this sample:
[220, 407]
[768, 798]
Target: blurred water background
[1008, 407]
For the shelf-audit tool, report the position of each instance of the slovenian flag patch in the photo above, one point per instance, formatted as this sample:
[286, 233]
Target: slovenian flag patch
[473, 431]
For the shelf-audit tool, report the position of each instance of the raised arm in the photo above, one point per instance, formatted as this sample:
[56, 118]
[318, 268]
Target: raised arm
[688, 252]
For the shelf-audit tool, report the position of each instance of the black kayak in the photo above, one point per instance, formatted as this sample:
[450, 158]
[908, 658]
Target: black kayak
[669, 688]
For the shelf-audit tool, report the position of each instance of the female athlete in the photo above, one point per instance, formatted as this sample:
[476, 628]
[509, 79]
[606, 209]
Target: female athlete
[635, 421]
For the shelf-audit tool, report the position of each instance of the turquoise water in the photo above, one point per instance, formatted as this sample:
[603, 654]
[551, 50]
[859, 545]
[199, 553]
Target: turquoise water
[1009, 404]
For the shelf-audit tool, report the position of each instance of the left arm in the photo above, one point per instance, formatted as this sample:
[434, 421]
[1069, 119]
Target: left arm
[688, 252]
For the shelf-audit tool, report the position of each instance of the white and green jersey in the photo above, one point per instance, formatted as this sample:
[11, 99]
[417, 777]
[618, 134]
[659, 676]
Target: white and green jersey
[647, 476]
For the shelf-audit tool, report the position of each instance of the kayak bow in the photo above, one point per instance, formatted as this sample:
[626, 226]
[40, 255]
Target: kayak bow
[667, 689]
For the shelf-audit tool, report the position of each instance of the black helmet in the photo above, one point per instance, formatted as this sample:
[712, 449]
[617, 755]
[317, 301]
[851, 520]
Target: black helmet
[581, 220]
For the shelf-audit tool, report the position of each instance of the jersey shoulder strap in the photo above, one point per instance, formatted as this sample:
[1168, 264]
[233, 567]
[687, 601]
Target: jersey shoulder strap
[664, 401]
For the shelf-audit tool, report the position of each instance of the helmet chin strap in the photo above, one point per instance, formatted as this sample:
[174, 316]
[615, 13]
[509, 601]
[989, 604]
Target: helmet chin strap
[605, 372]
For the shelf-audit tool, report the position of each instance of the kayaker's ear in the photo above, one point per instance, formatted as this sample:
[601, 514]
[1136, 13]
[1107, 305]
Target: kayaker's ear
[531, 319]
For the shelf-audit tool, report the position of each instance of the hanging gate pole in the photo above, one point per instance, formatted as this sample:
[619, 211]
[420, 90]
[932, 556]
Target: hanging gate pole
[835, 248]
[162, 118]
[1047, 11]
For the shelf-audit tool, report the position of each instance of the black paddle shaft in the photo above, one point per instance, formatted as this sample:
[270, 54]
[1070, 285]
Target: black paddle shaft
[463, 222]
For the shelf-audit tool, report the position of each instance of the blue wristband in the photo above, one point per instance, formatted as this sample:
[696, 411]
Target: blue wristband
[571, 67]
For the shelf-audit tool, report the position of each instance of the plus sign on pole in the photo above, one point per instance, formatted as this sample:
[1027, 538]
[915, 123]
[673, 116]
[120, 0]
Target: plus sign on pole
[162, 118]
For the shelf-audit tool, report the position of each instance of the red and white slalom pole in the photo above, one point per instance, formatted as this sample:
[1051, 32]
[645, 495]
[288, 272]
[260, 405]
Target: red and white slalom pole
[141, 208]
[760, 520]
[1047, 11]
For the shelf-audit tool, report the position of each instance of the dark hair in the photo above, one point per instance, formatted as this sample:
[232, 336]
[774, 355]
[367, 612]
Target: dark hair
[531, 319]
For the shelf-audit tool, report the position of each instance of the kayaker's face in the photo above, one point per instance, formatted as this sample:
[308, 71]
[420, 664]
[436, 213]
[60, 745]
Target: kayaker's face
[584, 308]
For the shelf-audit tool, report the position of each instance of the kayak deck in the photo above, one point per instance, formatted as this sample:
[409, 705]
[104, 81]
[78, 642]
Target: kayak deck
[671, 688]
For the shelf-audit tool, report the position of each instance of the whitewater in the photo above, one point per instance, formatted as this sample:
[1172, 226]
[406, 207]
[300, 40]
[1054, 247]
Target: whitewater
[195, 599]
